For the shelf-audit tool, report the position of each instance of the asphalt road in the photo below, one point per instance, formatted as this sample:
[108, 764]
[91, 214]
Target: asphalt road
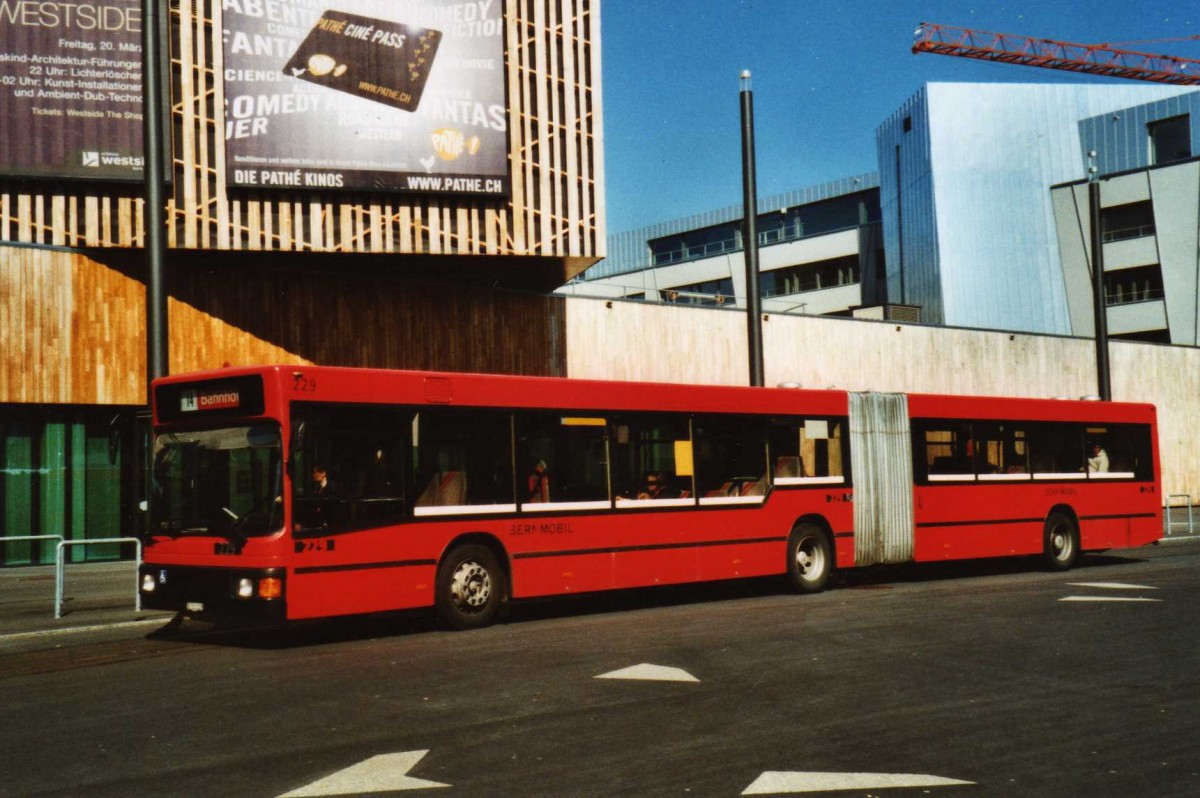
[1016, 681]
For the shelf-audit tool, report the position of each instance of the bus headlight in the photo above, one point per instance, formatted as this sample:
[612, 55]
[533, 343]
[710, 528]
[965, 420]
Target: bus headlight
[264, 587]
[148, 583]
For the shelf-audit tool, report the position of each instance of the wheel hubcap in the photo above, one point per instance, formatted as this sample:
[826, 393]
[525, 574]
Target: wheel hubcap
[810, 559]
[1060, 541]
[471, 586]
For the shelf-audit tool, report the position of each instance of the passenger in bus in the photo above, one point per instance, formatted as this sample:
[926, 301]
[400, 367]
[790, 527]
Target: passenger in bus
[538, 484]
[321, 486]
[656, 487]
[1098, 460]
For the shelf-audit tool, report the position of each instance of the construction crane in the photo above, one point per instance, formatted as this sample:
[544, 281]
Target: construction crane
[1093, 59]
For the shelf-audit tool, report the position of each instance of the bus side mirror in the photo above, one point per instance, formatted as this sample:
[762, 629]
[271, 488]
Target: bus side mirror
[298, 435]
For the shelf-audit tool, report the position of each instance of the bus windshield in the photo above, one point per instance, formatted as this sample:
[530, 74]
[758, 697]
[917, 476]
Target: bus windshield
[226, 481]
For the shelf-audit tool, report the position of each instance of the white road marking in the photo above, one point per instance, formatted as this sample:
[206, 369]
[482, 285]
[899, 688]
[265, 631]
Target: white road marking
[383, 773]
[1111, 586]
[650, 673]
[93, 628]
[775, 782]
[1108, 598]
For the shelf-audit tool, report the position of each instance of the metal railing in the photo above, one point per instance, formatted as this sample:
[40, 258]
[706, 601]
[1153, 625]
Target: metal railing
[60, 569]
[1126, 233]
[16, 538]
[733, 243]
[1167, 512]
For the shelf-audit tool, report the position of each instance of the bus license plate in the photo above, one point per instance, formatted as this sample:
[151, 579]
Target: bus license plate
[195, 606]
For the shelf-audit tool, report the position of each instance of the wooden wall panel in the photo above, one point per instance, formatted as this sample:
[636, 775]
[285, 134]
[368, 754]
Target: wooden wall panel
[673, 343]
[72, 327]
[358, 316]
[555, 211]
[36, 304]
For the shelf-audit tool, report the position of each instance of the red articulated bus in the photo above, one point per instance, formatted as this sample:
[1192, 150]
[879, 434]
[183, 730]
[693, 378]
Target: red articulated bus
[290, 493]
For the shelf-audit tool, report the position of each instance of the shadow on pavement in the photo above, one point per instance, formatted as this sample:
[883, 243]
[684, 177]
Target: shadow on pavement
[331, 631]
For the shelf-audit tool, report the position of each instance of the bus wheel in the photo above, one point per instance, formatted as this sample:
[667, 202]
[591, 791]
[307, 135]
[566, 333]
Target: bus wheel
[1061, 547]
[810, 558]
[470, 587]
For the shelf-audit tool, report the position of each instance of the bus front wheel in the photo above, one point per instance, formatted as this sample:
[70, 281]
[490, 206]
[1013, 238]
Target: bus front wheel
[810, 558]
[1061, 546]
[470, 587]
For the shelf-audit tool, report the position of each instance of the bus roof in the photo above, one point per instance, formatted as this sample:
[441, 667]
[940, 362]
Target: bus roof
[384, 386]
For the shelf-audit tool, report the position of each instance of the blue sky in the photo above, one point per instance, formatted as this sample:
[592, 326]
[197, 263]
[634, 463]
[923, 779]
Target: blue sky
[826, 74]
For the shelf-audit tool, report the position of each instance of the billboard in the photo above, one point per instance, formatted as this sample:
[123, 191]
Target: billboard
[71, 89]
[379, 95]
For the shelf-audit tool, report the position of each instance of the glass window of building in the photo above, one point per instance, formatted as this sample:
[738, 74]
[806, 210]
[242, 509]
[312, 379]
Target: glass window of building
[1131, 220]
[1170, 139]
[1141, 284]
[695, 244]
[810, 277]
[74, 474]
[710, 292]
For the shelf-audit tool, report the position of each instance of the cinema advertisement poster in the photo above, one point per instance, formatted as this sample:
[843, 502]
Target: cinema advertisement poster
[71, 89]
[379, 95]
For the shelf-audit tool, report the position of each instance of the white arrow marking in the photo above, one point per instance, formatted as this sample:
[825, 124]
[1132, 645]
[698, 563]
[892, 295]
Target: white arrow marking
[383, 773]
[1106, 598]
[774, 782]
[650, 673]
[1111, 586]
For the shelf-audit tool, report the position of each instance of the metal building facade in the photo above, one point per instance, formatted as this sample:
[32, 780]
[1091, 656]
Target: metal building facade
[1120, 138]
[965, 173]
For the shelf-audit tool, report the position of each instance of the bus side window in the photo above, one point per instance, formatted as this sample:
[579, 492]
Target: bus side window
[565, 457]
[652, 448]
[1128, 449]
[1056, 448]
[731, 456]
[806, 447]
[462, 457]
[1000, 448]
[347, 467]
[944, 450]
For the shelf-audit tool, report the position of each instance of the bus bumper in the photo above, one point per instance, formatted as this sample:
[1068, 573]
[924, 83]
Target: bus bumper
[214, 592]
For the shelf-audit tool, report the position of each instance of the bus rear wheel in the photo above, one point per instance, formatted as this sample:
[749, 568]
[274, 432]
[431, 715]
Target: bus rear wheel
[470, 587]
[810, 558]
[1061, 542]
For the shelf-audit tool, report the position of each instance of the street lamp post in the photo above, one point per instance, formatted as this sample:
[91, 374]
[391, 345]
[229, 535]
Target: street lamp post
[750, 235]
[155, 215]
[1103, 384]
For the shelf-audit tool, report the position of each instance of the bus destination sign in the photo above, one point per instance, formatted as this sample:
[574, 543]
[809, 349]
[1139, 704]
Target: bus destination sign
[193, 400]
[71, 89]
[240, 396]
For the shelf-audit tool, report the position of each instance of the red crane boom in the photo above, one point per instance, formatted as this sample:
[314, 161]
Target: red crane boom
[1094, 59]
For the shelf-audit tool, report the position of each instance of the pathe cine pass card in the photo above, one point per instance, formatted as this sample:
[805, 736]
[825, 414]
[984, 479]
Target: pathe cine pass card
[387, 62]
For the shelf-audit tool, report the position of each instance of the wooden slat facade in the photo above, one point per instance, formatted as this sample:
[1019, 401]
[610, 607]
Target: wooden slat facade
[555, 141]
[72, 327]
